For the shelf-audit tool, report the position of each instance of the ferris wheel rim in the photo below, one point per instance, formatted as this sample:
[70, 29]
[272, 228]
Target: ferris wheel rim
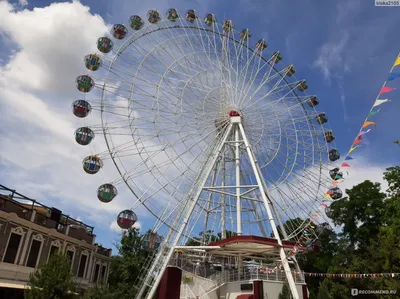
[137, 36]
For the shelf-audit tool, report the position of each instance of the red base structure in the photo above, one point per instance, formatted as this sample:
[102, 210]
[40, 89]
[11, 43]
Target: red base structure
[170, 284]
[258, 289]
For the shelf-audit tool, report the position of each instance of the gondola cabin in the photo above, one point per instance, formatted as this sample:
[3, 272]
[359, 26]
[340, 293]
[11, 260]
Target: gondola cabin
[93, 62]
[172, 15]
[84, 83]
[227, 26]
[191, 15]
[105, 44]
[312, 101]
[119, 31]
[153, 16]
[136, 22]
[84, 135]
[329, 137]
[151, 241]
[302, 85]
[81, 108]
[314, 246]
[126, 219]
[290, 70]
[335, 174]
[335, 193]
[210, 19]
[321, 118]
[92, 164]
[334, 155]
[245, 34]
[261, 45]
[276, 57]
[106, 192]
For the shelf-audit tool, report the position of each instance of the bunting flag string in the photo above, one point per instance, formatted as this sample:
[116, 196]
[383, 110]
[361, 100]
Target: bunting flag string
[332, 275]
[353, 275]
[305, 239]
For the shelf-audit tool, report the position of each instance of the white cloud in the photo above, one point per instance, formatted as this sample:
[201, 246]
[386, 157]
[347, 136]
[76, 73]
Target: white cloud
[36, 92]
[330, 58]
[23, 2]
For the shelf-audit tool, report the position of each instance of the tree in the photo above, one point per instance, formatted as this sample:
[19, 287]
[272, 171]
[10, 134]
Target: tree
[392, 176]
[98, 292]
[52, 280]
[285, 293]
[360, 213]
[127, 265]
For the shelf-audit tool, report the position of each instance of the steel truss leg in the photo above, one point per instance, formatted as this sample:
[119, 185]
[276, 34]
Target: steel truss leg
[162, 260]
[261, 183]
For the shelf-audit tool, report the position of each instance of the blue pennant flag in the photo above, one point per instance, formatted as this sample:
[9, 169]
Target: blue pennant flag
[393, 76]
[349, 158]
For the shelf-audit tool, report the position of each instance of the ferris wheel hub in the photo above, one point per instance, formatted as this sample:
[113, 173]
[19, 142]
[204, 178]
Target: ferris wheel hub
[233, 113]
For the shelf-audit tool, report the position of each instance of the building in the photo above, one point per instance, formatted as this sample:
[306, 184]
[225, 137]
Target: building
[31, 232]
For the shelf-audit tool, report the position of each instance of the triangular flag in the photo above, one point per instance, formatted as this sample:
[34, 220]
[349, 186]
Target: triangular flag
[348, 158]
[372, 113]
[336, 182]
[397, 62]
[345, 165]
[386, 89]
[326, 196]
[367, 123]
[353, 148]
[393, 76]
[363, 132]
[379, 102]
[358, 140]
[323, 205]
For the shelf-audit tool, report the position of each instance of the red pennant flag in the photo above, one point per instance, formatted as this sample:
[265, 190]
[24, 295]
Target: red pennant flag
[386, 89]
[358, 140]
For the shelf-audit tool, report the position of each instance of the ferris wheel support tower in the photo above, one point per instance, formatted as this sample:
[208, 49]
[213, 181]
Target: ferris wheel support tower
[165, 253]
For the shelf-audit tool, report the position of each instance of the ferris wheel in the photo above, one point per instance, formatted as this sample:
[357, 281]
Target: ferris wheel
[208, 129]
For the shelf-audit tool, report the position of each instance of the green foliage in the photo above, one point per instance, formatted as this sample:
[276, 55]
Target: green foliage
[368, 243]
[52, 280]
[98, 292]
[126, 266]
[360, 214]
[392, 176]
[285, 293]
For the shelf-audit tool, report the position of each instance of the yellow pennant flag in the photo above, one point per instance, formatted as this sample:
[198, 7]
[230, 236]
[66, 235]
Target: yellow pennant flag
[397, 62]
[352, 149]
[326, 196]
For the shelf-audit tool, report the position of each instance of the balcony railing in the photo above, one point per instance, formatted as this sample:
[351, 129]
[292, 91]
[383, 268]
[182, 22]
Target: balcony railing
[14, 202]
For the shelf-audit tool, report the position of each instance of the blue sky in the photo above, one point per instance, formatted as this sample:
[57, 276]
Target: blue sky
[343, 48]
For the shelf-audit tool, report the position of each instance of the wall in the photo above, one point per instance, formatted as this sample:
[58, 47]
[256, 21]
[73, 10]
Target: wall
[231, 290]
[273, 289]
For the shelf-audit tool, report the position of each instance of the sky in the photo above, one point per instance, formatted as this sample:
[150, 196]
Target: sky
[344, 49]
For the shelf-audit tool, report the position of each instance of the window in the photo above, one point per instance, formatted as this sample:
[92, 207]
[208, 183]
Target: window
[103, 273]
[53, 250]
[34, 254]
[82, 266]
[96, 273]
[70, 255]
[12, 249]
